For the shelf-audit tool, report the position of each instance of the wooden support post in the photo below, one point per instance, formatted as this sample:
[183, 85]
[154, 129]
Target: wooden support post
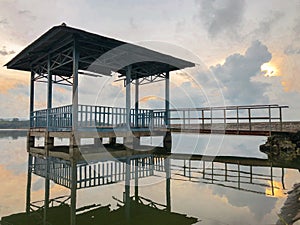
[29, 176]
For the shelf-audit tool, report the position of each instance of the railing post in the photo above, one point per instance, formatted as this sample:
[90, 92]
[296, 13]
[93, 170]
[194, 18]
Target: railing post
[249, 117]
[270, 120]
[211, 120]
[237, 119]
[280, 117]
[225, 117]
[167, 100]
[202, 119]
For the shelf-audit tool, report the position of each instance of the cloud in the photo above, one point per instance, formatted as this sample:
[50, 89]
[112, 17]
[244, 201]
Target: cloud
[222, 16]
[292, 50]
[5, 52]
[238, 72]
[265, 26]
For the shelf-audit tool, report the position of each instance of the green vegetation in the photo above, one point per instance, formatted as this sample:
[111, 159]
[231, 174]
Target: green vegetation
[15, 123]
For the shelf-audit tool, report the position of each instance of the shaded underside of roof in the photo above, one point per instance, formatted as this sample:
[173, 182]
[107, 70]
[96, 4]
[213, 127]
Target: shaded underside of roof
[97, 54]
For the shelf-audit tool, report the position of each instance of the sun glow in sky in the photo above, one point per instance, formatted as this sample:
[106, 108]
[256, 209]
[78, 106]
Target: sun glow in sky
[269, 70]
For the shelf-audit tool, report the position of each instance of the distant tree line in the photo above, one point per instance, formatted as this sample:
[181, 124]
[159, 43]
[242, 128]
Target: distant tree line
[15, 123]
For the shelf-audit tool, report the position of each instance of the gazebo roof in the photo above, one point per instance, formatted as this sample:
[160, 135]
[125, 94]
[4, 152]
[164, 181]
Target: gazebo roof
[97, 54]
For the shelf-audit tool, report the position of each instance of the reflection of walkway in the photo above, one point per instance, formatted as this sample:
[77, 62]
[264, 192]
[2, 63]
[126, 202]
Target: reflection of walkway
[241, 173]
[142, 211]
[246, 174]
[290, 212]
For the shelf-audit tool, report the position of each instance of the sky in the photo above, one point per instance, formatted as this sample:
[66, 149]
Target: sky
[246, 52]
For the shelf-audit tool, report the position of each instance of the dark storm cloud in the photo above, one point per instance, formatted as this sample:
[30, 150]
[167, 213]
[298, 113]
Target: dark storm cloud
[222, 16]
[237, 73]
[5, 52]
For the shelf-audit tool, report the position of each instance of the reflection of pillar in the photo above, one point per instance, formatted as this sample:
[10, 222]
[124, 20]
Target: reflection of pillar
[168, 184]
[282, 178]
[49, 142]
[271, 175]
[136, 180]
[127, 190]
[168, 141]
[73, 192]
[28, 193]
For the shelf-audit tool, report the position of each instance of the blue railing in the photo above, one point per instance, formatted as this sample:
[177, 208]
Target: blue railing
[96, 116]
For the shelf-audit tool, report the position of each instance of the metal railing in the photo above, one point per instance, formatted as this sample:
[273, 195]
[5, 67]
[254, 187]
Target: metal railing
[95, 116]
[252, 117]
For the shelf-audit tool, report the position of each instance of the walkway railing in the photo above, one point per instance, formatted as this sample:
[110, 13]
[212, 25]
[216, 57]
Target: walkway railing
[264, 118]
[96, 116]
[237, 118]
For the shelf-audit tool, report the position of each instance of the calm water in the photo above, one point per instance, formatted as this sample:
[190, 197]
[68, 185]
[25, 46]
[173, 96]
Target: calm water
[194, 196]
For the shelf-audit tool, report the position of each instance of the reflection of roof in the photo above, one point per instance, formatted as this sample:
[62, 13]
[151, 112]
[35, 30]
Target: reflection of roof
[139, 214]
[91, 47]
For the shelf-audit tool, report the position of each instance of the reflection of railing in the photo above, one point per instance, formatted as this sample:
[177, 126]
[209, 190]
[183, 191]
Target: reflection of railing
[96, 116]
[93, 174]
[229, 118]
[58, 201]
[230, 175]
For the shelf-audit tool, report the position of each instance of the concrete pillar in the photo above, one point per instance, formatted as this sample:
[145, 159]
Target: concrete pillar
[167, 99]
[98, 141]
[112, 140]
[49, 91]
[136, 110]
[75, 87]
[128, 97]
[31, 104]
